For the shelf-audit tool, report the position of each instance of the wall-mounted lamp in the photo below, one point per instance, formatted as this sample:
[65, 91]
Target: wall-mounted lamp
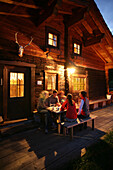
[39, 82]
[71, 70]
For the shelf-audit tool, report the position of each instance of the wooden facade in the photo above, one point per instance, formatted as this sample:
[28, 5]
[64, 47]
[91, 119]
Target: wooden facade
[72, 22]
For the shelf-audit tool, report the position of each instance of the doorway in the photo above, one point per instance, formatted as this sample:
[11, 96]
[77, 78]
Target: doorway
[18, 92]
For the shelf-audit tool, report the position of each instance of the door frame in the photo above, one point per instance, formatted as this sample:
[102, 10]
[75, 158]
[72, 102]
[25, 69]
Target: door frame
[5, 84]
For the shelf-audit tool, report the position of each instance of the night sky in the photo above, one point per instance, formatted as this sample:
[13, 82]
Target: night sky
[106, 9]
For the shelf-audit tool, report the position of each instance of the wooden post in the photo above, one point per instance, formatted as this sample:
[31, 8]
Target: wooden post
[66, 57]
[107, 80]
[32, 90]
[5, 92]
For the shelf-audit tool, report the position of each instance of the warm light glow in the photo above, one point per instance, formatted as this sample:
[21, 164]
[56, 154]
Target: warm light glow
[16, 84]
[83, 151]
[70, 70]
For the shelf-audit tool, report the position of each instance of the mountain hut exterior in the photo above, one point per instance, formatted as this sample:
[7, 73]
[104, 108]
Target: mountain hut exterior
[64, 45]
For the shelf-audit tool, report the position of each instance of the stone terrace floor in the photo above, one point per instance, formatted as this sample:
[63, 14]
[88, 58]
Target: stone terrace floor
[33, 149]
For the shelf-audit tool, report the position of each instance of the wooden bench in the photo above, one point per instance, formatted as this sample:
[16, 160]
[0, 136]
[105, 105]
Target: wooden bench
[70, 125]
[99, 103]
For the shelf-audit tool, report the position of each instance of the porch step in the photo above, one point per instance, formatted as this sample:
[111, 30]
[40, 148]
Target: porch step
[9, 128]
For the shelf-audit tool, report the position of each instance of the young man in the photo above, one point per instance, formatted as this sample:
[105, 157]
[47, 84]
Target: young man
[53, 99]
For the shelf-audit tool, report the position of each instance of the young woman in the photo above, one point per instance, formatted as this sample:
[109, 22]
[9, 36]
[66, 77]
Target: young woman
[84, 106]
[69, 104]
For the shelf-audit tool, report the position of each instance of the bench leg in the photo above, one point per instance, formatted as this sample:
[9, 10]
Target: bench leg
[71, 133]
[64, 131]
[92, 124]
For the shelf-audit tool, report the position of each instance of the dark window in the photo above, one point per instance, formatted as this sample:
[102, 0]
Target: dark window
[110, 79]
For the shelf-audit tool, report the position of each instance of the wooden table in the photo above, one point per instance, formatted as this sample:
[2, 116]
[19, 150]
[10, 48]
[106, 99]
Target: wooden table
[58, 112]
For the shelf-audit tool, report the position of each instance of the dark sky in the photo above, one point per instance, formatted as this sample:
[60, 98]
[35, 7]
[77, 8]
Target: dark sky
[106, 9]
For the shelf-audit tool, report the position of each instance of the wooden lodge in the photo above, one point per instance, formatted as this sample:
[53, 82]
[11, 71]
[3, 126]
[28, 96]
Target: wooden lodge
[66, 45]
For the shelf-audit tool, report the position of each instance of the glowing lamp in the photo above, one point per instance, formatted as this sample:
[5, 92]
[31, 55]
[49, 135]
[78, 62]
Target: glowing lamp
[71, 70]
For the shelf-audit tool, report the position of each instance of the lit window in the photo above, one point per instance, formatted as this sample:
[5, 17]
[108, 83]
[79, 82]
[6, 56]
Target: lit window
[52, 40]
[77, 48]
[51, 81]
[16, 84]
[79, 84]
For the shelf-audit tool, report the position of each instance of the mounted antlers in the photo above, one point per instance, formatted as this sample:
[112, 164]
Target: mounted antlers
[21, 48]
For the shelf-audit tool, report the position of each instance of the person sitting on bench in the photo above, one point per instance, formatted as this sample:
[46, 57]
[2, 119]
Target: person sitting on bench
[84, 106]
[41, 107]
[69, 104]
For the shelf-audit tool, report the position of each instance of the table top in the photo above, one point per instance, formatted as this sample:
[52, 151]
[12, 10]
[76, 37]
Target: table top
[55, 109]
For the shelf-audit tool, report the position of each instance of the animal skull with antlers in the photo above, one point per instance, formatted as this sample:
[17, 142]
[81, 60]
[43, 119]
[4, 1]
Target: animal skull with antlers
[21, 48]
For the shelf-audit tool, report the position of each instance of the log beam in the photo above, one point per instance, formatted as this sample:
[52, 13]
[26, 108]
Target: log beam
[16, 15]
[106, 51]
[76, 3]
[50, 11]
[87, 26]
[78, 30]
[77, 16]
[64, 12]
[101, 26]
[97, 52]
[92, 40]
[19, 4]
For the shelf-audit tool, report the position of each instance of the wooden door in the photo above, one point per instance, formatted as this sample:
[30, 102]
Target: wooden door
[18, 101]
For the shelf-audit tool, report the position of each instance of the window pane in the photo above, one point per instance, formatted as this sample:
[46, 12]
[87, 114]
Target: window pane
[16, 84]
[76, 48]
[20, 90]
[52, 39]
[54, 81]
[13, 90]
[13, 78]
[50, 42]
[55, 37]
[78, 51]
[78, 83]
[20, 78]
[50, 36]
[51, 82]
[55, 43]
[75, 45]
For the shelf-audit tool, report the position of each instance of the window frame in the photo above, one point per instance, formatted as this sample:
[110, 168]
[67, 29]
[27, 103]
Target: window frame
[54, 75]
[17, 85]
[54, 32]
[45, 79]
[78, 43]
[78, 76]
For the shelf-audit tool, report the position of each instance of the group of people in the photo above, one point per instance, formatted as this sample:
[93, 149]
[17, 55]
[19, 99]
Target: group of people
[66, 103]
